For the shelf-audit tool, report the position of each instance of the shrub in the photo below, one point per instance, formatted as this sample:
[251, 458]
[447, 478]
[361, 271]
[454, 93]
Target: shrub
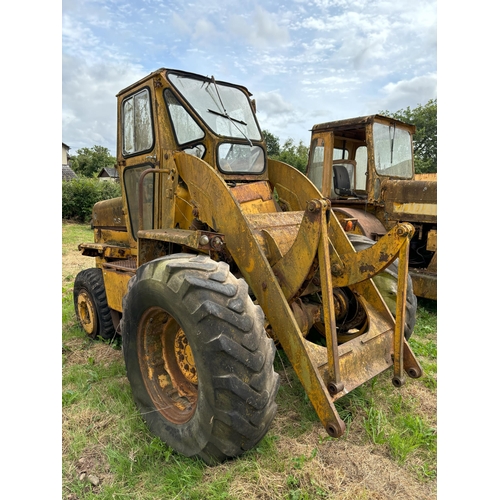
[80, 195]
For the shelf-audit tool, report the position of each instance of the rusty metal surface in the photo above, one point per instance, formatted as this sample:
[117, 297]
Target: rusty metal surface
[179, 236]
[367, 224]
[109, 214]
[410, 200]
[365, 264]
[105, 250]
[431, 240]
[255, 197]
[426, 177]
[424, 283]
[359, 122]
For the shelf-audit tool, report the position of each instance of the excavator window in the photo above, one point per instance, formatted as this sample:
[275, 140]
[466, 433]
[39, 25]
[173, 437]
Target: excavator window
[240, 158]
[361, 168]
[185, 127]
[137, 123]
[392, 151]
[131, 177]
[316, 163]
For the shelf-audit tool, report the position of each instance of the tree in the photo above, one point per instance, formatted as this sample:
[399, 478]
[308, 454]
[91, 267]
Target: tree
[272, 144]
[88, 162]
[296, 156]
[425, 138]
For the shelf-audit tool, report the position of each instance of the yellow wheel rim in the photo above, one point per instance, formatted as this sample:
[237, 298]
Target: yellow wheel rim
[86, 313]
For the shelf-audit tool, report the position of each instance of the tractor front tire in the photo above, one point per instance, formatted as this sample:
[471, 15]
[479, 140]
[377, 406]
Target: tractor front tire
[198, 359]
[91, 305]
[387, 284]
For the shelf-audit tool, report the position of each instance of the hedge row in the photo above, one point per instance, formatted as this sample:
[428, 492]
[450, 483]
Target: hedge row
[79, 196]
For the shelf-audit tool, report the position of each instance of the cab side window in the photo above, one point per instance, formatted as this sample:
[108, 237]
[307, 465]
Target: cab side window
[137, 123]
[361, 168]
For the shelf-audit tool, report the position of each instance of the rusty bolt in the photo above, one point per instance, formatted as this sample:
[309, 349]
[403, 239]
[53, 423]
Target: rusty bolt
[204, 240]
[216, 243]
[401, 231]
[313, 205]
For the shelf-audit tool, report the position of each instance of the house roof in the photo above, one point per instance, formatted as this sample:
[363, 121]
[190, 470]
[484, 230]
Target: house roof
[108, 172]
[67, 173]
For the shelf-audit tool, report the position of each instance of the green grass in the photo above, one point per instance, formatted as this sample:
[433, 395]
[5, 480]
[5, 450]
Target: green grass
[104, 435]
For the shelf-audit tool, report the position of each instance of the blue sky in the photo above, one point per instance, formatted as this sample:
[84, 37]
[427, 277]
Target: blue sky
[305, 61]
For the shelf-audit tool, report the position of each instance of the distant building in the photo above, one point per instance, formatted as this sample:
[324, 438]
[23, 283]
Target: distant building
[67, 173]
[108, 174]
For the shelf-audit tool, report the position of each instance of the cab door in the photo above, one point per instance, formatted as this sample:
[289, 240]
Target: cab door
[137, 153]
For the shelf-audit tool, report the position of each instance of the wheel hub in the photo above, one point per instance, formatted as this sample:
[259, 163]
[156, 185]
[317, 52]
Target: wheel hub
[86, 313]
[167, 365]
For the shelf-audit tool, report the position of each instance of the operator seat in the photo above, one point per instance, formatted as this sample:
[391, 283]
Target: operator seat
[341, 181]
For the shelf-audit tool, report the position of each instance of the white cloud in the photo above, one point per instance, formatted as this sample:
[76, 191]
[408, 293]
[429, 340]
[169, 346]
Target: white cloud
[404, 93]
[204, 30]
[261, 30]
[273, 103]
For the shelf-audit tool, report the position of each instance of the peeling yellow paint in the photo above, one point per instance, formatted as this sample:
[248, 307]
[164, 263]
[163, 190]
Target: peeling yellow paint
[415, 208]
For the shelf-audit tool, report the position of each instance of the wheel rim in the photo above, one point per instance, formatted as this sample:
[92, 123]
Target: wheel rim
[167, 365]
[87, 313]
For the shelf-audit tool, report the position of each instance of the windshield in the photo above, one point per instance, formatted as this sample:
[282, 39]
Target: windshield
[226, 110]
[393, 151]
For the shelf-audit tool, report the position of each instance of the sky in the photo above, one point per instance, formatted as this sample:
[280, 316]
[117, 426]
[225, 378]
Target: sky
[304, 61]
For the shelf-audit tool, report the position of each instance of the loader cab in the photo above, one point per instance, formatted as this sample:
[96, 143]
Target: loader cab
[349, 159]
[171, 111]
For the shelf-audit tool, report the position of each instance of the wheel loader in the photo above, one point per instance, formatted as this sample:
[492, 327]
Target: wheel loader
[365, 167]
[214, 257]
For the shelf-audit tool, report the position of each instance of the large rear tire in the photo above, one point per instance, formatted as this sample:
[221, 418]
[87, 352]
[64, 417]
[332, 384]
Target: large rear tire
[198, 359]
[387, 284]
[91, 305]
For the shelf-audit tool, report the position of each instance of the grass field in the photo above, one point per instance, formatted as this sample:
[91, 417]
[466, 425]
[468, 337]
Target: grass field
[389, 449]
